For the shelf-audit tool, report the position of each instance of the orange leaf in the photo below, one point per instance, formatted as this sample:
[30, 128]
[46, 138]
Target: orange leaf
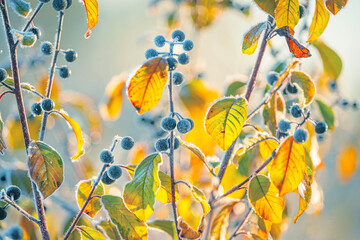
[319, 21]
[335, 6]
[186, 231]
[146, 86]
[92, 11]
[288, 167]
[347, 163]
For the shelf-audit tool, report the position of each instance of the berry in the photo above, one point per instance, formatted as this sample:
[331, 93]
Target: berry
[162, 145]
[3, 74]
[106, 156]
[13, 192]
[272, 77]
[280, 134]
[178, 35]
[183, 59]
[176, 143]
[35, 31]
[150, 53]
[291, 88]
[191, 122]
[46, 48]
[69, 3]
[284, 125]
[64, 72]
[3, 176]
[59, 5]
[127, 143]
[172, 63]
[320, 127]
[159, 41]
[333, 85]
[168, 124]
[320, 137]
[44, 1]
[3, 214]
[178, 78]
[36, 109]
[301, 135]
[302, 11]
[344, 103]
[296, 111]
[114, 172]
[184, 126]
[106, 179]
[355, 105]
[47, 104]
[188, 45]
[15, 233]
[70, 55]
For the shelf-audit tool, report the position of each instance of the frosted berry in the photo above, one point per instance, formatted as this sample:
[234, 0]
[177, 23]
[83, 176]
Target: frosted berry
[296, 111]
[106, 156]
[46, 48]
[178, 35]
[176, 143]
[159, 41]
[150, 53]
[302, 11]
[114, 172]
[35, 31]
[71, 55]
[15, 233]
[168, 123]
[321, 127]
[64, 72]
[36, 109]
[184, 126]
[183, 59]
[178, 78]
[3, 74]
[333, 85]
[291, 88]
[301, 135]
[355, 105]
[162, 145]
[344, 103]
[106, 179]
[191, 122]
[127, 143]
[47, 104]
[13, 192]
[280, 134]
[69, 3]
[284, 125]
[188, 45]
[59, 5]
[272, 78]
[172, 63]
[3, 214]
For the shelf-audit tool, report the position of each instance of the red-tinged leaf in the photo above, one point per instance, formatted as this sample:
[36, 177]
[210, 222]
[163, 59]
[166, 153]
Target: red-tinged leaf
[92, 11]
[297, 49]
[268, 6]
[335, 6]
[251, 38]
[319, 21]
[287, 13]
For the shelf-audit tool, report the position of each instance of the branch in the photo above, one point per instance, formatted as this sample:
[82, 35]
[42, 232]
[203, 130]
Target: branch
[242, 224]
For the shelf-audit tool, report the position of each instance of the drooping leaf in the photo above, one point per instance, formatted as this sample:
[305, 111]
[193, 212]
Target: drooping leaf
[264, 197]
[82, 194]
[288, 167]
[200, 197]
[167, 226]
[2, 141]
[77, 130]
[128, 224]
[186, 231]
[283, 77]
[195, 150]
[225, 119]
[110, 230]
[45, 167]
[88, 233]
[319, 22]
[268, 6]
[146, 86]
[347, 163]
[287, 13]
[307, 85]
[139, 193]
[251, 38]
[335, 6]
[21, 7]
[327, 113]
[332, 63]
[305, 194]
[92, 11]
[235, 88]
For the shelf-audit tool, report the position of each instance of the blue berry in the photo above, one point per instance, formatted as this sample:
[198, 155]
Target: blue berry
[272, 77]
[302, 11]
[127, 143]
[176, 143]
[191, 123]
[44, 1]
[320, 137]
[13, 192]
[296, 111]
[291, 88]
[184, 126]
[333, 85]
[172, 63]
[114, 172]
[64, 72]
[106, 179]
[168, 124]
[178, 35]
[162, 145]
[284, 125]
[159, 41]
[280, 134]
[35, 31]
[71, 55]
[320, 127]
[183, 59]
[59, 5]
[188, 45]
[15, 233]
[46, 48]
[36, 109]
[3, 214]
[301, 135]
[355, 105]
[178, 78]
[106, 156]
[47, 104]
[3, 176]
[150, 53]
[344, 103]
[69, 3]
[3, 74]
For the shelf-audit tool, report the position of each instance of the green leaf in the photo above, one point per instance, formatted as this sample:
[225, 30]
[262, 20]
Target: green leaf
[89, 233]
[234, 88]
[164, 225]
[26, 39]
[225, 119]
[45, 167]
[268, 6]
[332, 63]
[251, 38]
[335, 6]
[83, 192]
[327, 113]
[128, 224]
[2, 141]
[20, 7]
[139, 193]
[307, 85]
[110, 230]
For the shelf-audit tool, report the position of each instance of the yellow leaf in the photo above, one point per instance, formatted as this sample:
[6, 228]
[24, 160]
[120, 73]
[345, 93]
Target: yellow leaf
[146, 86]
[288, 167]
[267, 147]
[283, 77]
[77, 130]
[89, 233]
[307, 85]
[110, 110]
[335, 6]
[2, 141]
[251, 38]
[287, 13]
[232, 174]
[83, 192]
[225, 119]
[264, 197]
[268, 6]
[92, 11]
[319, 21]
[347, 163]
[200, 197]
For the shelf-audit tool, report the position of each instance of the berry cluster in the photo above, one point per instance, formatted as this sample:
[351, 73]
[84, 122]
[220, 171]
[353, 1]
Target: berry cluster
[45, 104]
[13, 193]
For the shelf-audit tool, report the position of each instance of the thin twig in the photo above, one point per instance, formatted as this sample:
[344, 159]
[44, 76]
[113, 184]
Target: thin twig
[242, 224]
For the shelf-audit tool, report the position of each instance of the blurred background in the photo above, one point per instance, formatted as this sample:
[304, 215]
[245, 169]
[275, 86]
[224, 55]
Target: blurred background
[126, 29]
